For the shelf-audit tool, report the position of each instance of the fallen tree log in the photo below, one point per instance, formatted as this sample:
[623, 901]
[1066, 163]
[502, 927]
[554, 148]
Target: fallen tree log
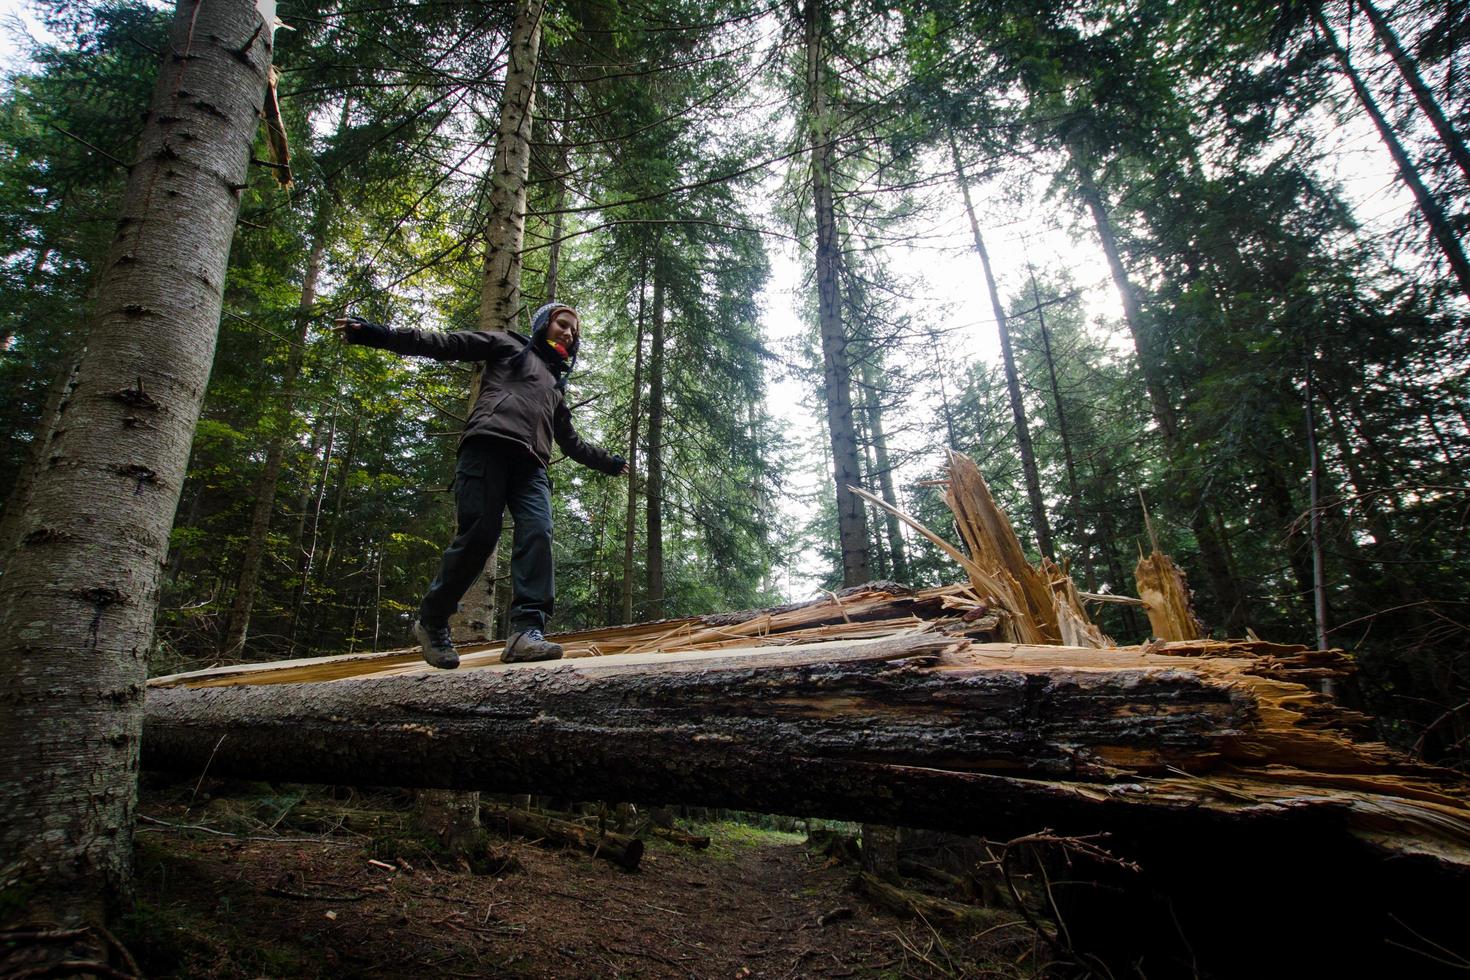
[910, 904]
[620, 849]
[676, 835]
[916, 729]
[1205, 763]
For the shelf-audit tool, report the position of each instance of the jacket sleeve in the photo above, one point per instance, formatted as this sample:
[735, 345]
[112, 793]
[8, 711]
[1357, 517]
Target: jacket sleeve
[461, 345]
[585, 453]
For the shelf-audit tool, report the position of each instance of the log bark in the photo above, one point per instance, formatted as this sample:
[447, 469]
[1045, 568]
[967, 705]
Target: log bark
[77, 602]
[919, 730]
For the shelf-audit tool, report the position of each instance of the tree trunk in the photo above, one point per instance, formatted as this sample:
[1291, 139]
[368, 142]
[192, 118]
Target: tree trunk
[77, 606]
[279, 434]
[630, 528]
[1314, 501]
[1065, 435]
[852, 524]
[1429, 207]
[1453, 143]
[1039, 521]
[1223, 583]
[306, 565]
[450, 817]
[896, 551]
[654, 488]
[339, 492]
[558, 219]
[500, 284]
[1149, 360]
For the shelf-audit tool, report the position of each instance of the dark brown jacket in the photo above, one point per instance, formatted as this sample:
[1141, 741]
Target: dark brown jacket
[519, 399]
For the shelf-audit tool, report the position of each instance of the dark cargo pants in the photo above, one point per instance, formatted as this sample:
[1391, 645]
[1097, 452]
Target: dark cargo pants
[492, 474]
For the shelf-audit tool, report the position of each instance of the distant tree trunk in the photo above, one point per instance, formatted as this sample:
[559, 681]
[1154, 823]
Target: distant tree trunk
[1277, 497]
[630, 528]
[1065, 434]
[852, 523]
[1429, 207]
[278, 434]
[339, 492]
[1445, 129]
[878, 556]
[944, 400]
[1143, 346]
[654, 488]
[78, 603]
[1212, 547]
[306, 565]
[1314, 501]
[1039, 520]
[896, 552]
[558, 218]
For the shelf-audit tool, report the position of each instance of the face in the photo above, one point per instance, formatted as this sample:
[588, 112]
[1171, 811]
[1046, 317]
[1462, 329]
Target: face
[563, 328]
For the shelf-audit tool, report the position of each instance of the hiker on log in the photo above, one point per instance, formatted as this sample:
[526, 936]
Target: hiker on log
[503, 455]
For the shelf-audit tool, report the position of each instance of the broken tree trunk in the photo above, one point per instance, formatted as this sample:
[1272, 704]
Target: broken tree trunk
[1208, 763]
[920, 729]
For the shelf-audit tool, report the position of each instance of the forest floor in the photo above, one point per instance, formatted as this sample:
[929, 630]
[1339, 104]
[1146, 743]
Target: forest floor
[252, 901]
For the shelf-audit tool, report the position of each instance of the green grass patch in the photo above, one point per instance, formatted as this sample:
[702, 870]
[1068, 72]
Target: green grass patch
[727, 838]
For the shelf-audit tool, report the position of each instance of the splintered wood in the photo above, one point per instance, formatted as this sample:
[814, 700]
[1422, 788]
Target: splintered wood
[991, 704]
[1162, 587]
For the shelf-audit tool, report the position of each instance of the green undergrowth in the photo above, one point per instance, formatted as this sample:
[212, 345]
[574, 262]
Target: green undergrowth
[727, 838]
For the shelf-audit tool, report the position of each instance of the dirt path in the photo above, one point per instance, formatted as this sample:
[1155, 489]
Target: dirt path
[754, 905]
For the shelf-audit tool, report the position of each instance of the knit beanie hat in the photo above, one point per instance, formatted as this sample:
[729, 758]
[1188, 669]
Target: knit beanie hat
[542, 317]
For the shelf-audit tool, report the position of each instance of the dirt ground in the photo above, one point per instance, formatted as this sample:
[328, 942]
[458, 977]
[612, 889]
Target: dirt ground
[272, 903]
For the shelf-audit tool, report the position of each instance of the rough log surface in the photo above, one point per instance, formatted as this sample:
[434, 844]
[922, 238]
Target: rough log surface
[920, 729]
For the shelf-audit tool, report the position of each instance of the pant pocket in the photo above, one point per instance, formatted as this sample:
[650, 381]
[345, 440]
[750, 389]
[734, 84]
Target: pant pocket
[469, 487]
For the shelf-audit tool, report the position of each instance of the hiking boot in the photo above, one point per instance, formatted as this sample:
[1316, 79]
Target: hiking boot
[529, 645]
[438, 648]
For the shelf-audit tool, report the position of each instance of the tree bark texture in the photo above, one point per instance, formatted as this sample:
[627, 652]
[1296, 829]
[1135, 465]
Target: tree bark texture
[12, 519]
[921, 730]
[263, 496]
[852, 524]
[654, 487]
[77, 607]
[1039, 521]
[500, 288]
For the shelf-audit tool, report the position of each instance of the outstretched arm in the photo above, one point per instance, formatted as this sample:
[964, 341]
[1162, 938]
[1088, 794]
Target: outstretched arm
[461, 345]
[585, 453]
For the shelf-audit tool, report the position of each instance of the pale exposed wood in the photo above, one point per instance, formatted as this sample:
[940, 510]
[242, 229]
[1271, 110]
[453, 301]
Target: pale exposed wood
[1162, 586]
